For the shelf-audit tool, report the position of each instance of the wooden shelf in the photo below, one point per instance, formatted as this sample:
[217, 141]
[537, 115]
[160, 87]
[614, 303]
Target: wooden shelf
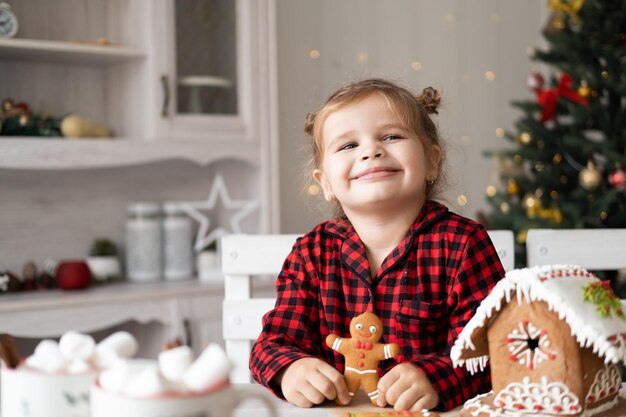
[58, 153]
[66, 52]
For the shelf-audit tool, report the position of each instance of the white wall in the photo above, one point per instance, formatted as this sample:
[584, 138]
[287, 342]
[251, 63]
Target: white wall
[455, 41]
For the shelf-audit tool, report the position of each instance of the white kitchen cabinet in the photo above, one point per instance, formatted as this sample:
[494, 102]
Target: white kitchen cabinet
[138, 84]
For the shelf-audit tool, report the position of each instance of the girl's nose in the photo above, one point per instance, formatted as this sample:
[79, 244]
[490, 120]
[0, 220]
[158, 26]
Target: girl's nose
[376, 155]
[372, 151]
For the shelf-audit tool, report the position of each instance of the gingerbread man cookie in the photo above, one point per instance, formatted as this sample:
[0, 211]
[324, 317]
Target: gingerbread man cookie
[363, 352]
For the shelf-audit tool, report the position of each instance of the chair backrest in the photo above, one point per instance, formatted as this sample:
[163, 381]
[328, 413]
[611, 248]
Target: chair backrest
[246, 255]
[595, 249]
[242, 257]
[503, 241]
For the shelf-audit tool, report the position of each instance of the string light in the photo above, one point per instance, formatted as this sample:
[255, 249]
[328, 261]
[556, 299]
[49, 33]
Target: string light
[530, 51]
[491, 190]
[314, 54]
[363, 57]
[466, 140]
[490, 75]
[313, 189]
[462, 200]
[500, 132]
[416, 66]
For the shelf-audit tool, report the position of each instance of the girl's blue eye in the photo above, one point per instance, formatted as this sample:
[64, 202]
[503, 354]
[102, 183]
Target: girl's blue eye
[392, 137]
[348, 146]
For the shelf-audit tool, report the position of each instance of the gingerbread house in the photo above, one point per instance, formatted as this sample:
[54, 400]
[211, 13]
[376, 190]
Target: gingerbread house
[554, 337]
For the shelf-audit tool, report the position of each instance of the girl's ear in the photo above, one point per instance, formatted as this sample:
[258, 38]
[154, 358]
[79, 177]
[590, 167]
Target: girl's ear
[320, 178]
[434, 158]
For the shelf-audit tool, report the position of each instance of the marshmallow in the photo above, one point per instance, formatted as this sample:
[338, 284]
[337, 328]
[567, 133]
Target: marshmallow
[78, 366]
[47, 357]
[211, 367]
[175, 362]
[118, 345]
[77, 346]
[147, 383]
[114, 378]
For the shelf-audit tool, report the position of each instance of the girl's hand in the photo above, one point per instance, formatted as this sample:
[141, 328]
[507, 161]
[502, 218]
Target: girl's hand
[406, 388]
[311, 381]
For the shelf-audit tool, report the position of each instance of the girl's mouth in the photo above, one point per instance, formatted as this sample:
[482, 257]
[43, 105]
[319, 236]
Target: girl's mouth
[374, 173]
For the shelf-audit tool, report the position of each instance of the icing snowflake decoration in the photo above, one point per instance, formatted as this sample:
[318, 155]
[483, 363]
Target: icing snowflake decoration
[562, 288]
[529, 345]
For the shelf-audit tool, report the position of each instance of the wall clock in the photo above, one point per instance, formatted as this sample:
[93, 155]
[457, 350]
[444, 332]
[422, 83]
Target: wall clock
[8, 21]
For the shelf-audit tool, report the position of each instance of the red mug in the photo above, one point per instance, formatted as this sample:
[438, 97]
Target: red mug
[73, 275]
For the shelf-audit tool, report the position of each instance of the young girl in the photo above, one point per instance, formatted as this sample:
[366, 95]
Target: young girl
[393, 251]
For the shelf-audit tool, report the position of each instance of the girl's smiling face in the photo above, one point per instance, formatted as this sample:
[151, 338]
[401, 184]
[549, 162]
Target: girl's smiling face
[371, 160]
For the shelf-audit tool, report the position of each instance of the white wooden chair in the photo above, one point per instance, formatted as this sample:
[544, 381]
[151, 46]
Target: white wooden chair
[244, 256]
[594, 249]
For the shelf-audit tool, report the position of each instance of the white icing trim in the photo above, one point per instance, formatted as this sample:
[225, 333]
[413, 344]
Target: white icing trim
[560, 286]
[476, 407]
[532, 397]
[607, 381]
[361, 372]
[387, 351]
[336, 344]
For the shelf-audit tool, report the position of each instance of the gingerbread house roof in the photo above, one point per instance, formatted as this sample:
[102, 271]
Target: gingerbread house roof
[562, 287]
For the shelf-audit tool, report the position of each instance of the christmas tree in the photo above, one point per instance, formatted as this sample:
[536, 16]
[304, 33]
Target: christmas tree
[566, 168]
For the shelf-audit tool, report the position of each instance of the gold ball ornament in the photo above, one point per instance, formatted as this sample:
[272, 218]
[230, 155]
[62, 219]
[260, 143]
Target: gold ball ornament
[525, 138]
[584, 91]
[512, 188]
[521, 236]
[530, 201]
[590, 178]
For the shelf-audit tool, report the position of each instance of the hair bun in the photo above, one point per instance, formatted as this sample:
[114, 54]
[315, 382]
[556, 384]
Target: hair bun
[309, 122]
[430, 99]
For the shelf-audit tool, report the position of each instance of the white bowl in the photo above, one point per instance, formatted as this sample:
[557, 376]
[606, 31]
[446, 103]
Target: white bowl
[33, 393]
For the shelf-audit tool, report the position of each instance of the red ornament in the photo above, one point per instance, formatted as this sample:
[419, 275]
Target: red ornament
[547, 99]
[534, 81]
[617, 179]
[73, 275]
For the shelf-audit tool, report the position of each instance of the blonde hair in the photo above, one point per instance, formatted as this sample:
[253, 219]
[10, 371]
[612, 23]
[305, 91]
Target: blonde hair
[413, 110]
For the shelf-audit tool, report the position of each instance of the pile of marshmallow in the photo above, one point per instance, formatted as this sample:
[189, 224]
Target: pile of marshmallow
[78, 353]
[176, 373]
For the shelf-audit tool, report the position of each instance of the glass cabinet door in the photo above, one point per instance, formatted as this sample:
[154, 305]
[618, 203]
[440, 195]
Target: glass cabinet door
[206, 57]
[211, 57]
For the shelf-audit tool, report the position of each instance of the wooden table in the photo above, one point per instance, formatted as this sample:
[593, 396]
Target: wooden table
[255, 407]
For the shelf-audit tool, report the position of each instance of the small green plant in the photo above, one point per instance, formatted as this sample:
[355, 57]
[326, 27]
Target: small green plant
[103, 247]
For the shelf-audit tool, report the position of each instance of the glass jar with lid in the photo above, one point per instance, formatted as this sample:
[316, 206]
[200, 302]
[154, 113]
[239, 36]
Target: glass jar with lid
[143, 242]
[177, 242]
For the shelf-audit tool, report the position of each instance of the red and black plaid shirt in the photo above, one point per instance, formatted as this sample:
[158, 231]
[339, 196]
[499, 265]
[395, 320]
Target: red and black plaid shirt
[425, 291]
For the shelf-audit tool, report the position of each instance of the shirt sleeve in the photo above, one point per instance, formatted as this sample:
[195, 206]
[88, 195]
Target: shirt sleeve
[479, 269]
[290, 330]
